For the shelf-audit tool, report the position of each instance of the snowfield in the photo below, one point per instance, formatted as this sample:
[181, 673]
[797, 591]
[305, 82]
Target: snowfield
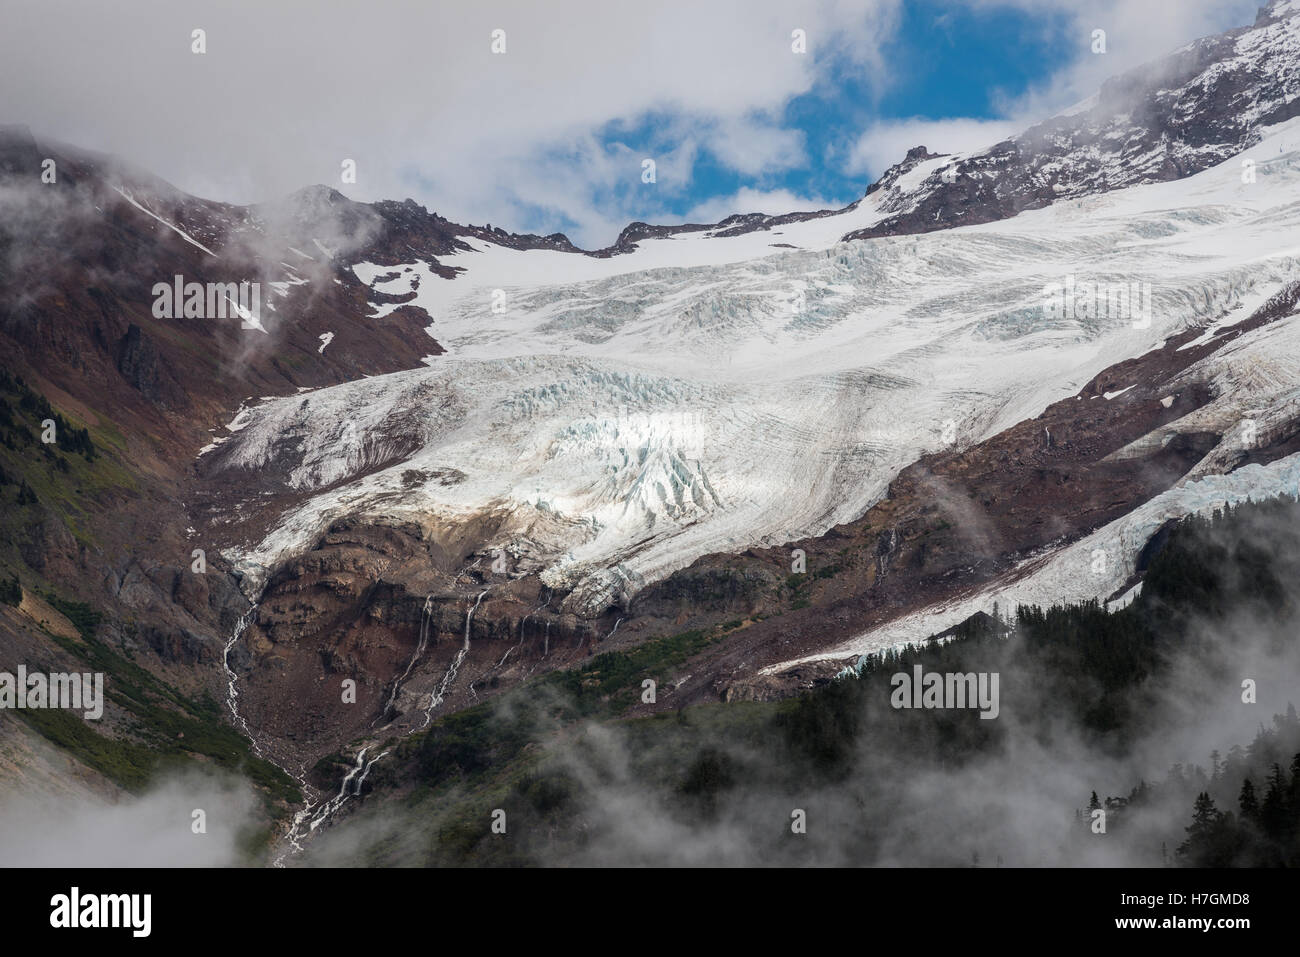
[624, 416]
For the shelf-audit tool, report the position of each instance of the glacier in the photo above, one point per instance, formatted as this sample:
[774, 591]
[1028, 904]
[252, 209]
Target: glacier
[622, 416]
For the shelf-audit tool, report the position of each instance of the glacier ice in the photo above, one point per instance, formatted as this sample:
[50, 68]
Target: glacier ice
[624, 416]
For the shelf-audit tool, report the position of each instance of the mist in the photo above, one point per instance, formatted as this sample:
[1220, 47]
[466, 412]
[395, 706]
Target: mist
[154, 829]
[702, 788]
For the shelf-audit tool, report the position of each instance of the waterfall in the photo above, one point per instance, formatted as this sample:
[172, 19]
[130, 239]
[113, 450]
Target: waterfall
[232, 693]
[443, 686]
[425, 618]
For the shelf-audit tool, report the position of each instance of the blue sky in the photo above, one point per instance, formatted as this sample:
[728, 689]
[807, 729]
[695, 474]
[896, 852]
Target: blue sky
[550, 134]
[948, 75]
[954, 61]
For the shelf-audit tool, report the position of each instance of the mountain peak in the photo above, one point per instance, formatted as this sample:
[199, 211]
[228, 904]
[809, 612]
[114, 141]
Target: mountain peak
[1277, 10]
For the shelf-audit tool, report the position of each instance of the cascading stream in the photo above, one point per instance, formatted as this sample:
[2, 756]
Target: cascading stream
[232, 702]
[314, 814]
[522, 623]
[346, 790]
[362, 767]
[450, 676]
[232, 693]
[425, 617]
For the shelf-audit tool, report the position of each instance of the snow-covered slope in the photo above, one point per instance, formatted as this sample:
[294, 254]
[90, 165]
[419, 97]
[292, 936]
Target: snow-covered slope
[623, 416]
[1093, 568]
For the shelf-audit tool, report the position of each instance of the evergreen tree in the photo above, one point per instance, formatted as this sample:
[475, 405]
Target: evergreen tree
[1293, 792]
[1273, 812]
[1210, 839]
[1248, 802]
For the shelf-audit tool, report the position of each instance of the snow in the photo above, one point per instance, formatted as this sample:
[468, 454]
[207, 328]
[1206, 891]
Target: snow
[282, 288]
[1070, 575]
[176, 229]
[1124, 600]
[623, 416]
[248, 320]
[911, 181]
[1248, 306]
[1083, 106]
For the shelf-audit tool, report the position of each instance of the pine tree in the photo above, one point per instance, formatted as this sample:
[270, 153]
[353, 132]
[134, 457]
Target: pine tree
[1248, 802]
[1293, 792]
[1259, 748]
[1209, 839]
[1272, 813]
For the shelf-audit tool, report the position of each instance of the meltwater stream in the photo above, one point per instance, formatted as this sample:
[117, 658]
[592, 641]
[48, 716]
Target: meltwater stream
[450, 676]
[232, 693]
[314, 813]
[425, 617]
[314, 818]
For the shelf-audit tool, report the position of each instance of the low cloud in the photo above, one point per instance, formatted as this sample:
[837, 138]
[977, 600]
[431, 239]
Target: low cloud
[414, 94]
[748, 200]
[885, 143]
[155, 829]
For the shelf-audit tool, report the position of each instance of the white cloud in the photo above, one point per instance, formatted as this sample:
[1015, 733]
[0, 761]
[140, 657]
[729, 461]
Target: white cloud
[1136, 33]
[885, 143]
[413, 93]
[287, 91]
[753, 145]
[748, 200]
